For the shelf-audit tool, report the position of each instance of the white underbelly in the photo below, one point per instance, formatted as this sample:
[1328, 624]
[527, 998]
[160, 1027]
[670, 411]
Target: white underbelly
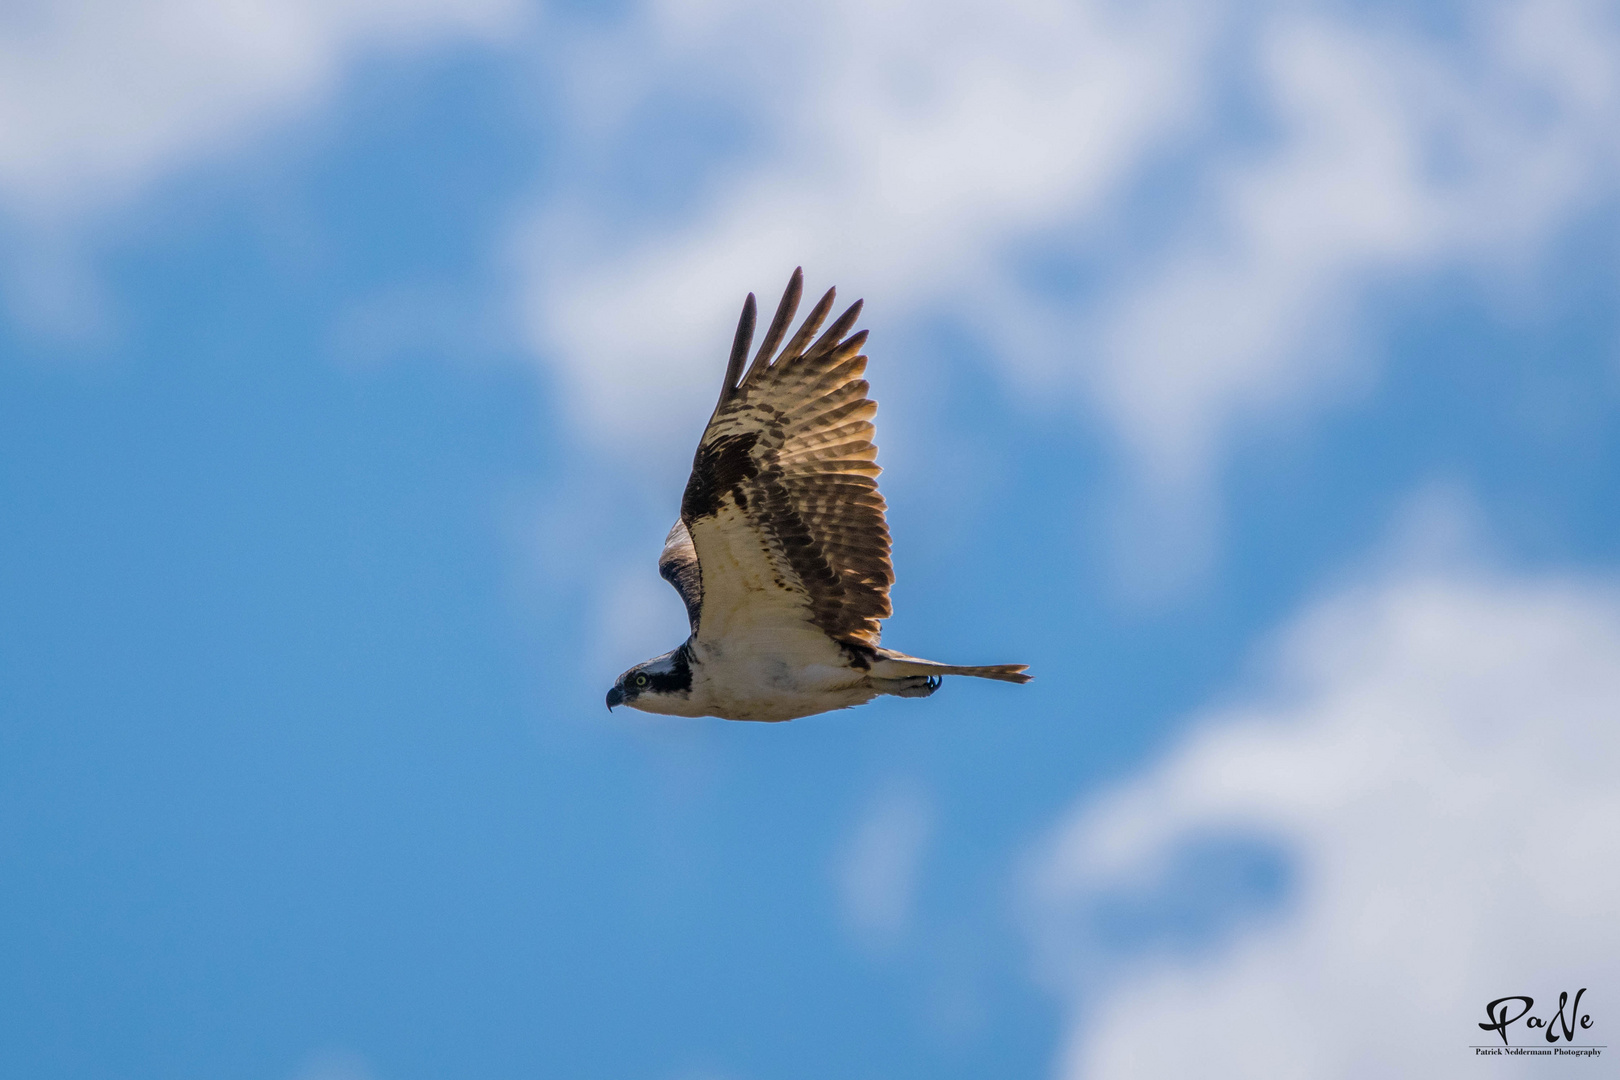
[775, 680]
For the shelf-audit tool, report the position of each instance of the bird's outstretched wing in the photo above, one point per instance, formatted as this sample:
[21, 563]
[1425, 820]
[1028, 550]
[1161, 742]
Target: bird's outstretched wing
[782, 511]
[678, 565]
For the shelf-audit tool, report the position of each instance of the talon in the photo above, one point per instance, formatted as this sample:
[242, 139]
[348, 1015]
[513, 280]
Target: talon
[934, 681]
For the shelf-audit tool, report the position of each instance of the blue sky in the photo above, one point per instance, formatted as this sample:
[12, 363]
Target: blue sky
[1252, 372]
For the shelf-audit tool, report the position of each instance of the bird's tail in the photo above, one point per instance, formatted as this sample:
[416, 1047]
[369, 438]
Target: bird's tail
[893, 665]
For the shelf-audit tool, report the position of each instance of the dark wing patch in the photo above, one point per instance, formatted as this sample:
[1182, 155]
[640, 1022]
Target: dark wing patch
[678, 565]
[790, 445]
[720, 466]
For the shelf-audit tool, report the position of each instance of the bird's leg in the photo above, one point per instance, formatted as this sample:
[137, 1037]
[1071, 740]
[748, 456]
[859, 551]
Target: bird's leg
[910, 686]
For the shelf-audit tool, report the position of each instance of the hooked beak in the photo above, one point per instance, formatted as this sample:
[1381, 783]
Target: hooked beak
[615, 697]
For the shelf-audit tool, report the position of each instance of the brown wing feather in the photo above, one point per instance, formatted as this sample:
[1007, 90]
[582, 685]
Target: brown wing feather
[788, 457]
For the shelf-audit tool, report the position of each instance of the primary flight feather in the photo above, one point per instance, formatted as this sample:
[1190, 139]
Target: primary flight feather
[781, 553]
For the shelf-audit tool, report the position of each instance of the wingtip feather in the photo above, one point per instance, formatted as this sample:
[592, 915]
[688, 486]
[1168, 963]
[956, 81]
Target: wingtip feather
[739, 348]
[785, 311]
[835, 333]
[812, 323]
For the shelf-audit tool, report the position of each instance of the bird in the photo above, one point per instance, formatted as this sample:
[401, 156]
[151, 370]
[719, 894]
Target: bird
[781, 553]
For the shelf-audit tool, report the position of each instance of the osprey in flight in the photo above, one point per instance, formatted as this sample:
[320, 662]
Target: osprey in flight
[781, 553]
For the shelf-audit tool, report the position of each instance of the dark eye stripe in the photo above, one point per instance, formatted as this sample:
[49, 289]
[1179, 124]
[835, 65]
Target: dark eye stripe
[675, 681]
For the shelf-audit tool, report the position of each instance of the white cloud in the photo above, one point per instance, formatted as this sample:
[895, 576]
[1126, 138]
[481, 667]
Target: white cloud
[915, 154]
[903, 145]
[878, 869]
[1438, 753]
[98, 98]
[1396, 155]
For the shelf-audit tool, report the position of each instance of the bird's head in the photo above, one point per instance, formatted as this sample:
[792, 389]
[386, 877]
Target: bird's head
[658, 686]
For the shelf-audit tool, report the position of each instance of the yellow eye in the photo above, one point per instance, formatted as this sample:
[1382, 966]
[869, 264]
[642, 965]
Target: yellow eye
[641, 680]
